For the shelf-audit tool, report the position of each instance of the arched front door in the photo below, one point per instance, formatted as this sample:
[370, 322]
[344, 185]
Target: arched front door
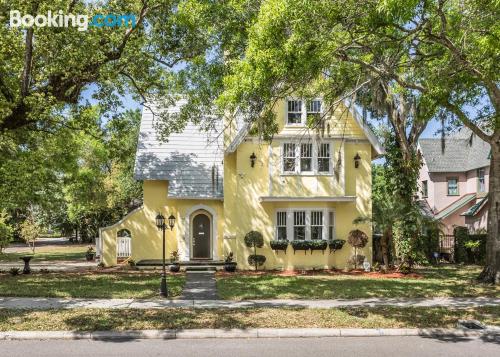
[201, 240]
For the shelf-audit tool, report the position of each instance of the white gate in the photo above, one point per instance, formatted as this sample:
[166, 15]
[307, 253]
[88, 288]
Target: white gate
[123, 247]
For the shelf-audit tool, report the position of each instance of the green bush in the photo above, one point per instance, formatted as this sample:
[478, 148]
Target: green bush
[469, 248]
[256, 259]
[254, 239]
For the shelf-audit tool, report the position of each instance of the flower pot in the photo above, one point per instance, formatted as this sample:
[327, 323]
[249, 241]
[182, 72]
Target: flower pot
[174, 267]
[90, 256]
[230, 267]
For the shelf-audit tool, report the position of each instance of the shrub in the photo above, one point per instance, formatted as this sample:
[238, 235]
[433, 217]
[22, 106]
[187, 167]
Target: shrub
[279, 244]
[5, 231]
[229, 258]
[254, 239]
[356, 260]
[357, 239]
[256, 260]
[336, 244]
[461, 235]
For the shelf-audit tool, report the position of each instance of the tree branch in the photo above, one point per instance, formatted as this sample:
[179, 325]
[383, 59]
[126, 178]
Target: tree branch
[465, 120]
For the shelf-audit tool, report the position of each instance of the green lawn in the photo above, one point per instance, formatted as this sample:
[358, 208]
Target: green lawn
[48, 253]
[100, 319]
[88, 285]
[438, 281]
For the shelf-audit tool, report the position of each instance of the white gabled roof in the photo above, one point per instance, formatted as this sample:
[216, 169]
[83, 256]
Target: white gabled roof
[191, 160]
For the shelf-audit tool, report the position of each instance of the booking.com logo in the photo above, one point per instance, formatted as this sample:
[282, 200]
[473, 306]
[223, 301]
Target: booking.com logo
[59, 19]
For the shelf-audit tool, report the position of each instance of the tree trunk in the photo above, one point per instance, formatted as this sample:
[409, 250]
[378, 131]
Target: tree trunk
[491, 272]
[384, 244]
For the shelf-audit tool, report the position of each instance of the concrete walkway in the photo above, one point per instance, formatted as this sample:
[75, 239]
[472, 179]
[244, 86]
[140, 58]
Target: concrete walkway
[199, 286]
[59, 303]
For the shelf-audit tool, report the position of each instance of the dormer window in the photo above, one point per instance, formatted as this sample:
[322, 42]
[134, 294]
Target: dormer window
[300, 113]
[294, 115]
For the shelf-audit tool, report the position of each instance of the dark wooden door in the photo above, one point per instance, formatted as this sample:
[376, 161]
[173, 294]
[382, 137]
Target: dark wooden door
[201, 236]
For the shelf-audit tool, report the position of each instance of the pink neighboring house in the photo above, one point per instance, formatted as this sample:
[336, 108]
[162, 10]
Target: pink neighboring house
[454, 180]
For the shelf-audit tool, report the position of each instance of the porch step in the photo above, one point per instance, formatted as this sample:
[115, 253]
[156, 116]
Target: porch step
[200, 268]
[190, 263]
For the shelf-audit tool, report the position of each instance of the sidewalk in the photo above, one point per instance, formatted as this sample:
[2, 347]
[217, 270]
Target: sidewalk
[60, 303]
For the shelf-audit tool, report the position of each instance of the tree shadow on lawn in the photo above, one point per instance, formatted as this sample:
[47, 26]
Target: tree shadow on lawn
[272, 287]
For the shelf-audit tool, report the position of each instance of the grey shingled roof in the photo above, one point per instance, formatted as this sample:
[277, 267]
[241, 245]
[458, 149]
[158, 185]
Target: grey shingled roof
[191, 160]
[463, 151]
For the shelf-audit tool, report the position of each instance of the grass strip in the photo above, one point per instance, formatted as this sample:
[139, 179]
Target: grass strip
[88, 285]
[100, 319]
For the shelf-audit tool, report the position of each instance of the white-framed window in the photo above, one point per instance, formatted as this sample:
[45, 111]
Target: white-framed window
[289, 157]
[305, 223]
[294, 112]
[313, 110]
[316, 224]
[331, 225]
[425, 188]
[281, 228]
[300, 114]
[453, 186]
[299, 225]
[481, 182]
[324, 157]
[307, 158]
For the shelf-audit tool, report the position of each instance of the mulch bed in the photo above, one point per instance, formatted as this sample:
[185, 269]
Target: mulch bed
[326, 272]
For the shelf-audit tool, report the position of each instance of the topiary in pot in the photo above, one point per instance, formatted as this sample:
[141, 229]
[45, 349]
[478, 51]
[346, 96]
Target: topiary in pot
[357, 239]
[256, 260]
[279, 245]
[254, 239]
[336, 244]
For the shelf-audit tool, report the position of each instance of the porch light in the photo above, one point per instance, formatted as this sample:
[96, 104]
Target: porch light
[252, 159]
[357, 159]
[171, 221]
[160, 221]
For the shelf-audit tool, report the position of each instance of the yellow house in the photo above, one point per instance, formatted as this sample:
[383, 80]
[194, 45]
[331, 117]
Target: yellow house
[219, 185]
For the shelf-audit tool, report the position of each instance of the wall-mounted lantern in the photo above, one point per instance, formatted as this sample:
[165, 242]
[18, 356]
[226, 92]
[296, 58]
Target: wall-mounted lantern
[252, 159]
[171, 222]
[357, 159]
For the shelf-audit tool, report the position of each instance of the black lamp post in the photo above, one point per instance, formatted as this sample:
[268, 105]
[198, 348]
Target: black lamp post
[160, 223]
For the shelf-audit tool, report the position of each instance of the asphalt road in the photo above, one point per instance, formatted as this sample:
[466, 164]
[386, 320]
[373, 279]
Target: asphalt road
[317, 347]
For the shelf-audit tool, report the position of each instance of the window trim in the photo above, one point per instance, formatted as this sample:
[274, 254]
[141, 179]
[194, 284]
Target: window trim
[291, 224]
[483, 170]
[303, 111]
[425, 193]
[448, 179]
[314, 164]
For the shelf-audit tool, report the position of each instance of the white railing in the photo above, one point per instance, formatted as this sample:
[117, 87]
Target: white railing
[123, 247]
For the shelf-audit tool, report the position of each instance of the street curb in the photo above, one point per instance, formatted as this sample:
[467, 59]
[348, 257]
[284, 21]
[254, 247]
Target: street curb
[242, 333]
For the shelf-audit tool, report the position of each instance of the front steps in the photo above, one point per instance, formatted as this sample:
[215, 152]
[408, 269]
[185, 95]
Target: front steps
[191, 265]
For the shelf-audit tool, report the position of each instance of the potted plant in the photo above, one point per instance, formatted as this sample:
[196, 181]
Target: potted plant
[318, 244]
[229, 264]
[300, 245]
[280, 244]
[357, 239]
[174, 266]
[254, 239]
[90, 254]
[336, 244]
